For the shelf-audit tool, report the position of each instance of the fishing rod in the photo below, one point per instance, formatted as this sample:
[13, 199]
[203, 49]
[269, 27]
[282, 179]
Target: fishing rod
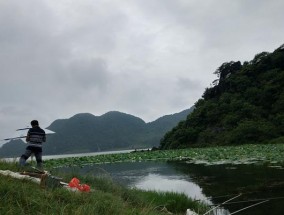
[259, 201]
[249, 207]
[253, 200]
[228, 195]
[22, 129]
[47, 131]
[222, 204]
[14, 138]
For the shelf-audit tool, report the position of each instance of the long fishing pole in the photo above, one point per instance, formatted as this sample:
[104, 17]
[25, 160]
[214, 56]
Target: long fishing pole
[14, 138]
[249, 207]
[228, 195]
[253, 200]
[221, 204]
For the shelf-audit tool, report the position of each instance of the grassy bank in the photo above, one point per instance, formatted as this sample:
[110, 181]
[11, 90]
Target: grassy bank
[25, 197]
[270, 153]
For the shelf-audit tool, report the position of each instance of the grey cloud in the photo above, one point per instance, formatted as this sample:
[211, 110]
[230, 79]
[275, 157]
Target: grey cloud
[236, 27]
[10, 116]
[189, 84]
[147, 58]
[85, 73]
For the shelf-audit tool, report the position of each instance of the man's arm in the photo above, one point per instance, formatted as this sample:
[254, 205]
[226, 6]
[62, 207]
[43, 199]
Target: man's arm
[28, 137]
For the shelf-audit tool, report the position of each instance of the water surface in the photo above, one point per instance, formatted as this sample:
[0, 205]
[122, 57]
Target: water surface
[213, 184]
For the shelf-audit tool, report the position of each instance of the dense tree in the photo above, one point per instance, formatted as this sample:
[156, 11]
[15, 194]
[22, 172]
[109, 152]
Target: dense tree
[244, 105]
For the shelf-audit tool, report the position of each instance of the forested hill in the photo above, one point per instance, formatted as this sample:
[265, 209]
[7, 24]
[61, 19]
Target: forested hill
[244, 105]
[114, 130]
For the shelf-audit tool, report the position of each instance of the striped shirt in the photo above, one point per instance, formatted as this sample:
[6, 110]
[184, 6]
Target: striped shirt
[36, 136]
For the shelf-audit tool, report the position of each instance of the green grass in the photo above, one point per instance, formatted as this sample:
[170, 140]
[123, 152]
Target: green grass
[270, 153]
[166, 201]
[25, 197]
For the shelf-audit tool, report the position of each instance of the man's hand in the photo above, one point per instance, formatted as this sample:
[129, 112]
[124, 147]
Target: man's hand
[28, 138]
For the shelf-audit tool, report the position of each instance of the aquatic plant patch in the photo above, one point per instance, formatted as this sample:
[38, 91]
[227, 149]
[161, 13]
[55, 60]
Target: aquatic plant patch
[244, 154]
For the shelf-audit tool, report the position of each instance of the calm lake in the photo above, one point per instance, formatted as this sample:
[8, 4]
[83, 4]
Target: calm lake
[213, 184]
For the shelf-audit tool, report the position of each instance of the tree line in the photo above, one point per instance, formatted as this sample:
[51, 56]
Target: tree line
[245, 104]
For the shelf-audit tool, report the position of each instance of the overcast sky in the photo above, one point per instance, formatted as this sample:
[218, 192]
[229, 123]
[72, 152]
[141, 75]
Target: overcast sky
[148, 58]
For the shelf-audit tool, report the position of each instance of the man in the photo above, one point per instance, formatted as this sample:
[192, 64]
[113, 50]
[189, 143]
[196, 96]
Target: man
[35, 137]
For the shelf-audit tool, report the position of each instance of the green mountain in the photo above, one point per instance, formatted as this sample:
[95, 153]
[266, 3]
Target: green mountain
[13, 148]
[114, 130]
[244, 105]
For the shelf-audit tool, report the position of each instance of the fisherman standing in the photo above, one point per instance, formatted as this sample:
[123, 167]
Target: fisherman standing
[35, 137]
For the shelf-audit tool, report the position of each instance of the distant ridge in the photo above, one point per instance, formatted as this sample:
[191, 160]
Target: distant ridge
[113, 130]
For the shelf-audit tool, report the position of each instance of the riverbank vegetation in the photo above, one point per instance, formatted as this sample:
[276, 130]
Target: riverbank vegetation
[251, 153]
[25, 197]
[244, 105]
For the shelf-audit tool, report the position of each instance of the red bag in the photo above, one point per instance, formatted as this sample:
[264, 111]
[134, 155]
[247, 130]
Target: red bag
[75, 183]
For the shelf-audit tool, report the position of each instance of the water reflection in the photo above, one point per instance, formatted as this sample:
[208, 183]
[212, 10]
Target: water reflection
[158, 176]
[171, 184]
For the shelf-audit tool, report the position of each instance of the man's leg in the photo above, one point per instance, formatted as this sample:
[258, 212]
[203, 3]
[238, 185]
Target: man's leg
[38, 156]
[24, 157]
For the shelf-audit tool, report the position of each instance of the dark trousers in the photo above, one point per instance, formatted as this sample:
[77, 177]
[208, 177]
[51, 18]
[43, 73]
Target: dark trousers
[37, 151]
